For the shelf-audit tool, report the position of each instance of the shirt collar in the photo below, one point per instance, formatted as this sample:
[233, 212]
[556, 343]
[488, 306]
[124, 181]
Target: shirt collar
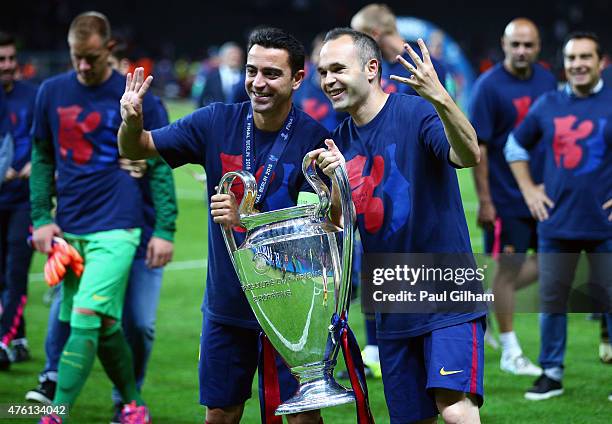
[598, 87]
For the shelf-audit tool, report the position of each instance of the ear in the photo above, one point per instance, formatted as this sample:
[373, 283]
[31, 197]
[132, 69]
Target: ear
[298, 78]
[371, 69]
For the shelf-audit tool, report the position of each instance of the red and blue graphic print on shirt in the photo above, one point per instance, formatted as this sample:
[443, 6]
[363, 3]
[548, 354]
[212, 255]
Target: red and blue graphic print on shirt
[577, 139]
[578, 146]
[20, 103]
[369, 189]
[84, 139]
[499, 103]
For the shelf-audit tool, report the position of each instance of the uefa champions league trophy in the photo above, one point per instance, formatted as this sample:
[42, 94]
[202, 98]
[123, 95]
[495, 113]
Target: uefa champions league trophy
[290, 270]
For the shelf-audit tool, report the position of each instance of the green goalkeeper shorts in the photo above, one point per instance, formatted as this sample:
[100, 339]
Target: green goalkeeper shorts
[107, 257]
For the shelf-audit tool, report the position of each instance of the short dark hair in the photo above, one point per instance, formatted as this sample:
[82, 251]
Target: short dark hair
[7, 39]
[275, 38]
[366, 46]
[584, 34]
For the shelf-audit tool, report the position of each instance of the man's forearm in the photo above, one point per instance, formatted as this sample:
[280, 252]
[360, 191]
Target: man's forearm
[42, 181]
[135, 144]
[459, 132]
[481, 177]
[522, 175]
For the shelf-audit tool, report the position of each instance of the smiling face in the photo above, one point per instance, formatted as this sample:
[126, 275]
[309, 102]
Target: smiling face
[269, 81]
[90, 59]
[344, 79]
[582, 64]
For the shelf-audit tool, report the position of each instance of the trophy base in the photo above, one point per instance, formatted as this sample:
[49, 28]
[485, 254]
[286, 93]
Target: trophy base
[316, 394]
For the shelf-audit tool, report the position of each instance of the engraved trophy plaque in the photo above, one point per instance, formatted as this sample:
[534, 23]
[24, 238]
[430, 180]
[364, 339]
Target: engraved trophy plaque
[295, 273]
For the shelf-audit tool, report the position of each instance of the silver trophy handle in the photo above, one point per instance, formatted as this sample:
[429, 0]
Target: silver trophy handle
[310, 172]
[348, 215]
[245, 207]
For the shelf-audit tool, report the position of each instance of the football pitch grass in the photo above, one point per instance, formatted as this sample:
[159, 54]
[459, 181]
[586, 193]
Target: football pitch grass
[171, 387]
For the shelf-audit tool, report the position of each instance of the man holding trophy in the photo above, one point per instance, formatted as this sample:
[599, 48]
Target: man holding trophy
[255, 137]
[401, 152]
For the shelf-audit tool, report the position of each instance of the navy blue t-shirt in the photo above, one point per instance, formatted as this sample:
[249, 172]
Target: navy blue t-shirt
[213, 137]
[576, 134]
[94, 193]
[406, 195]
[396, 68]
[20, 101]
[500, 102]
[148, 207]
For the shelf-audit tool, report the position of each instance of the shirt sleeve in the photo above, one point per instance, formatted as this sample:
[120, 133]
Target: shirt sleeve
[164, 198]
[481, 112]
[164, 117]
[40, 124]
[43, 163]
[153, 119]
[4, 116]
[185, 141]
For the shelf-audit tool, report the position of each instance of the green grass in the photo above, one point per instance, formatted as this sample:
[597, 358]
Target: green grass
[171, 389]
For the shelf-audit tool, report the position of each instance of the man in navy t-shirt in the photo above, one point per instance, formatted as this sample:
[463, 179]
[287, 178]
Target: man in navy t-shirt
[401, 152]
[99, 208]
[15, 254]
[225, 138]
[379, 22]
[500, 100]
[574, 206]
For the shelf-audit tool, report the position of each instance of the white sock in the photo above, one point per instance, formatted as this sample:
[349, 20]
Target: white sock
[370, 353]
[23, 342]
[555, 373]
[510, 344]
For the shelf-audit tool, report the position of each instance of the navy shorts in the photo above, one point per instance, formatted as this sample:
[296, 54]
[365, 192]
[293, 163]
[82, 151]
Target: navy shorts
[229, 357]
[448, 358]
[511, 235]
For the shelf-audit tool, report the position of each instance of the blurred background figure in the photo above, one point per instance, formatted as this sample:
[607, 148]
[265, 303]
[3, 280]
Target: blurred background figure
[220, 84]
[15, 254]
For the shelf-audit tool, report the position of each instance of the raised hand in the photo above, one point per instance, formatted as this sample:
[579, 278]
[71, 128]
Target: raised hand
[136, 87]
[424, 79]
